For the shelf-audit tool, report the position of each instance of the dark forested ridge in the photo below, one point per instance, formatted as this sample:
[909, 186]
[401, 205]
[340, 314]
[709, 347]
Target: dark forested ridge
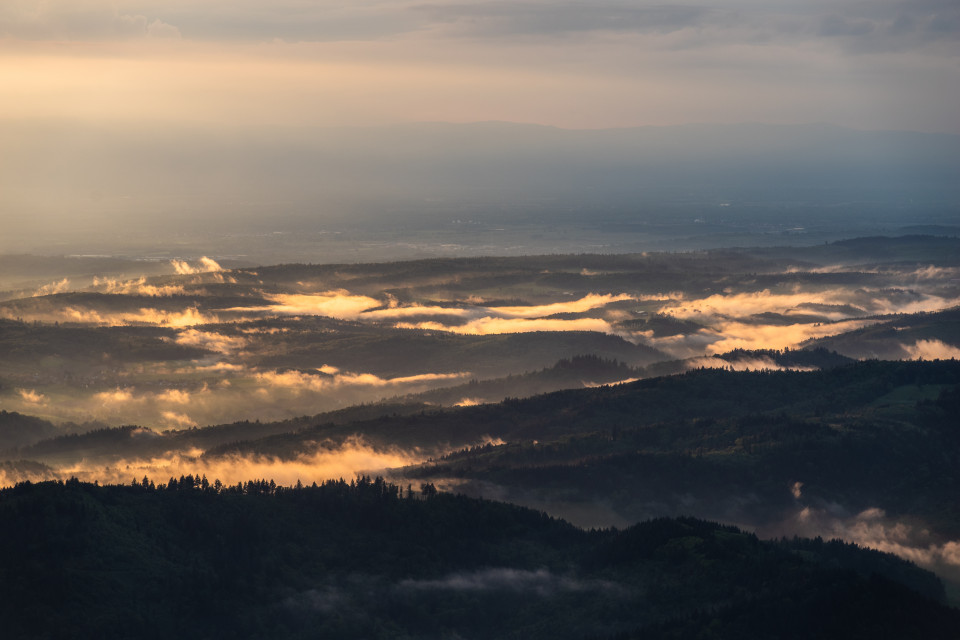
[732, 446]
[27, 343]
[713, 443]
[369, 559]
[701, 394]
[885, 340]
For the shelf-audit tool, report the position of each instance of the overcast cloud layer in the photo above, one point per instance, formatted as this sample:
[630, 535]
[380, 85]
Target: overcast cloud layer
[869, 64]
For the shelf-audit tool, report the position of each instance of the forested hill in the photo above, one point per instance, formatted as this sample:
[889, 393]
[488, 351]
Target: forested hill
[707, 394]
[191, 559]
[754, 448]
[716, 444]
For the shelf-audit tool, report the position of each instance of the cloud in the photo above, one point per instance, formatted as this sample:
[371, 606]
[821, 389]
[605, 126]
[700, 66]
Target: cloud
[118, 396]
[79, 20]
[488, 325]
[834, 25]
[485, 318]
[873, 528]
[332, 378]
[931, 272]
[721, 336]
[138, 287]
[512, 18]
[830, 304]
[743, 364]
[330, 461]
[375, 381]
[178, 420]
[796, 489]
[191, 316]
[608, 63]
[737, 320]
[932, 350]
[59, 286]
[591, 385]
[891, 27]
[860, 26]
[160, 29]
[739, 335]
[586, 303]
[344, 305]
[335, 304]
[211, 341]
[176, 396]
[542, 583]
[216, 367]
[218, 393]
[205, 265]
[127, 405]
[32, 397]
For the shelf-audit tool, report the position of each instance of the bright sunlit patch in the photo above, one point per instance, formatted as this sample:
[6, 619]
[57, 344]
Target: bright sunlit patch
[177, 420]
[586, 303]
[490, 325]
[335, 304]
[30, 396]
[211, 341]
[118, 396]
[217, 367]
[343, 305]
[180, 396]
[189, 317]
[329, 462]
[738, 335]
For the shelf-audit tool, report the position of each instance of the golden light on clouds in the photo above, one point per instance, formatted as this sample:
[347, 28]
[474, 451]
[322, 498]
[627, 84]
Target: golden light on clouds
[328, 462]
[738, 335]
[204, 265]
[333, 379]
[489, 325]
[586, 303]
[336, 304]
[31, 397]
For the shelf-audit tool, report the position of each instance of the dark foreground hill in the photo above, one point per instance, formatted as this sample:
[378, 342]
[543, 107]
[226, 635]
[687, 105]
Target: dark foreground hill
[371, 560]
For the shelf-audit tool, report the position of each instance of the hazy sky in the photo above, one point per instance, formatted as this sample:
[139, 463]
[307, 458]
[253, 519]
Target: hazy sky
[885, 64]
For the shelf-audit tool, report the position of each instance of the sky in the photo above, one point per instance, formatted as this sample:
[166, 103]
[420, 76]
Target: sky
[869, 64]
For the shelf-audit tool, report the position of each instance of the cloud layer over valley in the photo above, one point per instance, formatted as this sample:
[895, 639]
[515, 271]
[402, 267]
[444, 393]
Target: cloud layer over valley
[271, 343]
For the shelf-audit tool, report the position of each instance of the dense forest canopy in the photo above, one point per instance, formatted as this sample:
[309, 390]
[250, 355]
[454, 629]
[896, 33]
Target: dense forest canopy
[196, 559]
